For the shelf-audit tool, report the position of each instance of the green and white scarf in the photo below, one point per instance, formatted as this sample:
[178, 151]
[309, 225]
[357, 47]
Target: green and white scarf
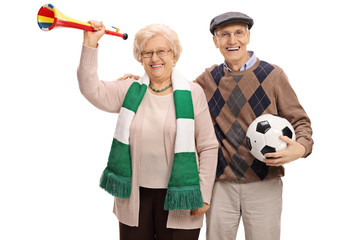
[183, 188]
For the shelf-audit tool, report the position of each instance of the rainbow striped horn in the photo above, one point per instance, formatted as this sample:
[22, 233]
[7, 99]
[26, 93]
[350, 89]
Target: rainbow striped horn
[50, 17]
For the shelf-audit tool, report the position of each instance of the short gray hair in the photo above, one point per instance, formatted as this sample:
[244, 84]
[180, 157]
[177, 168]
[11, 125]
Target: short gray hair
[150, 31]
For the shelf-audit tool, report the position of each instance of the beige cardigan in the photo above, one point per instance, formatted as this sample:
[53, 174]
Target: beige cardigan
[108, 96]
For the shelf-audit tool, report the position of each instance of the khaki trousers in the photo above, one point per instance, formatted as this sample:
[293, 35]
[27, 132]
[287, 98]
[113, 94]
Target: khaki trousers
[259, 204]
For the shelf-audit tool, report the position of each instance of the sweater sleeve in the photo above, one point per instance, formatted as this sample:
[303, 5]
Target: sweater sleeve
[201, 79]
[206, 143]
[289, 107]
[105, 95]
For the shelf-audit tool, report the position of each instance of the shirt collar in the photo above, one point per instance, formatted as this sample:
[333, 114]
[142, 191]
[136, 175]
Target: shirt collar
[247, 65]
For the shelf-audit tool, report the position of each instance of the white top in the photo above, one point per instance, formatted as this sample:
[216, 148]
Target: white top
[154, 169]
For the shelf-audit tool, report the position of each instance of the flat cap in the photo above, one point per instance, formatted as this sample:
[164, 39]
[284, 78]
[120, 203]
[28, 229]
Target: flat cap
[230, 17]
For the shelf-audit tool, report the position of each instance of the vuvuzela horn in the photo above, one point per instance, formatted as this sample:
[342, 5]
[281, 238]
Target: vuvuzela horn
[50, 17]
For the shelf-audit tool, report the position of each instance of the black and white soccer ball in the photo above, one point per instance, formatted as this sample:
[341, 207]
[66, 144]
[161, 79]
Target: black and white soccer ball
[263, 134]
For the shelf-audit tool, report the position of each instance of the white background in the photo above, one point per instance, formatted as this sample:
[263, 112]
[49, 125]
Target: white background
[54, 144]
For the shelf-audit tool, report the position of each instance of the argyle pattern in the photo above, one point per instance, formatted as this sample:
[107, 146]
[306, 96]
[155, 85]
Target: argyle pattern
[235, 100]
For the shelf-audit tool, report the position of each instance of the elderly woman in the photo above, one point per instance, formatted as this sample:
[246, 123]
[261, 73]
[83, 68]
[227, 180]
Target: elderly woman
[163, 157]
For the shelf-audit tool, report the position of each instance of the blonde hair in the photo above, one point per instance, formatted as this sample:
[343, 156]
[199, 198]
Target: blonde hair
[150, 31]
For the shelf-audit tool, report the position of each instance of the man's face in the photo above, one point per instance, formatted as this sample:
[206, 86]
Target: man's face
[232, 39]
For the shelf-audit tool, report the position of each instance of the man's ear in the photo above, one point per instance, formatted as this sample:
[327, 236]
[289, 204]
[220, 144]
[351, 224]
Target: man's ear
[248, 37]
[215, 42]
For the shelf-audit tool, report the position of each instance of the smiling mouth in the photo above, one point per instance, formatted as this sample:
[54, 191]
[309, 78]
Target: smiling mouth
[156, 66]
[233, 49]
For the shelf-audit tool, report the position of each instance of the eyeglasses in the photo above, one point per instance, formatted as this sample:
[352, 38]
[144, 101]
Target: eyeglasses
[227, 35]
[159, 53]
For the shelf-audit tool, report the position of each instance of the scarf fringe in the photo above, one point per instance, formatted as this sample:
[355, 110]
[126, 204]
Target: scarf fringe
[114, 184]
[183, 198]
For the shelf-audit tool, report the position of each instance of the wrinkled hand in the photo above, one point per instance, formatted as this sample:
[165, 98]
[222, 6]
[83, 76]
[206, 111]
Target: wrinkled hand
[128, 75]
[293, 151]
[200, 211]
[91, 38]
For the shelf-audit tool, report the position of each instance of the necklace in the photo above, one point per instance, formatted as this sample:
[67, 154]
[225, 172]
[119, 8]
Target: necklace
[161, 90]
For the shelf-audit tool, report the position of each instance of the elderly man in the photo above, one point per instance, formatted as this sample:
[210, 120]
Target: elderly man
[240, 89]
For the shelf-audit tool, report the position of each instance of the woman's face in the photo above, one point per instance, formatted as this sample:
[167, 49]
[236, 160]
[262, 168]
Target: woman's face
[158, 68]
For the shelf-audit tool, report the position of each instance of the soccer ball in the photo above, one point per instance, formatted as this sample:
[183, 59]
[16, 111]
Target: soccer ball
[263, 134]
